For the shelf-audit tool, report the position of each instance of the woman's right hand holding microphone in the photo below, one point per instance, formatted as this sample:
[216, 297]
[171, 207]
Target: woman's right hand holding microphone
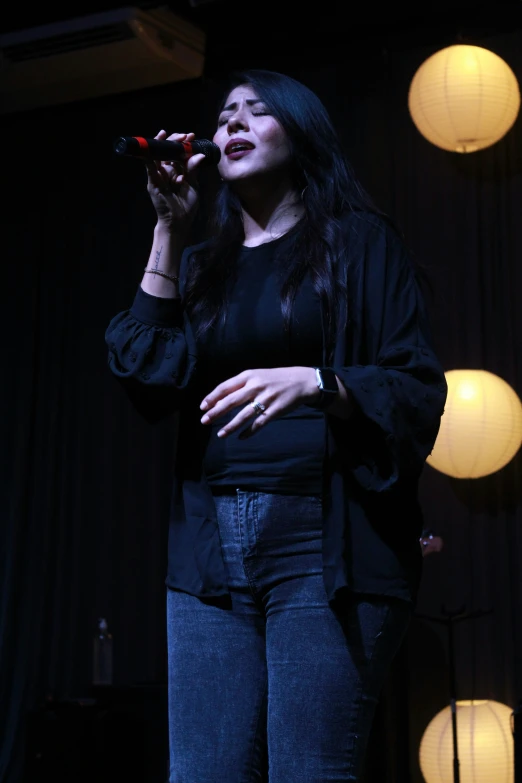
[172, 187]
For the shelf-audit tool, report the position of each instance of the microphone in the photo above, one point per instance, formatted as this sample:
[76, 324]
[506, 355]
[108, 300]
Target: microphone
[138, 147]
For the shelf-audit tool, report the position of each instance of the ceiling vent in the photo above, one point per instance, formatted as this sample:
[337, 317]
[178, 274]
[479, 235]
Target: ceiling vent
[101, 54]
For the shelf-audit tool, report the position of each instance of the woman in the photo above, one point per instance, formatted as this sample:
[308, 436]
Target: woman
[294, 343]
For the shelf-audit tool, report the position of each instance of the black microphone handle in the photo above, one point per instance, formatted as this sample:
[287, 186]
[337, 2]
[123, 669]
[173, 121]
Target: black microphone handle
[156, 149]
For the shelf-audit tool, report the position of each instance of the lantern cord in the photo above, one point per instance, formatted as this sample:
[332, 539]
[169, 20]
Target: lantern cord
[472, 595]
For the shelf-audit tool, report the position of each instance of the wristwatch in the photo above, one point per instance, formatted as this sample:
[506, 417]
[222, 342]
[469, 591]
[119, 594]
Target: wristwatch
[327, 384]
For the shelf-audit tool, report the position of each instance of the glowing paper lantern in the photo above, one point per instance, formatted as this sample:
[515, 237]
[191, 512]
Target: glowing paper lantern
[464, 98]
[484, 742]
[481, 427]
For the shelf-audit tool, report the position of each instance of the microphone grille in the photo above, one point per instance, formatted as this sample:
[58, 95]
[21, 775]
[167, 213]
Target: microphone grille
[209, 149]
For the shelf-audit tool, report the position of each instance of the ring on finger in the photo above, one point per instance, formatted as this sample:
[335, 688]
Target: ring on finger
[258, 407]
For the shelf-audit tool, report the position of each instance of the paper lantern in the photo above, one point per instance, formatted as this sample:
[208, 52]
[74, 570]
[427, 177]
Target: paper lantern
[484, 742]
[464, 98]
[481, 427]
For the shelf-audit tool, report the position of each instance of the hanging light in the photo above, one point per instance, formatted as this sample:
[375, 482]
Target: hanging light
[464, 98]
[484, 742]
[481, 427]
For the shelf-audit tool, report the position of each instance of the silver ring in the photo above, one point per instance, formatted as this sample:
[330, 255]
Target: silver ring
[258, 407]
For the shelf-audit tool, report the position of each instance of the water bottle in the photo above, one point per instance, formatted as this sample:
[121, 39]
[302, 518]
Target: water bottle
[102, 655]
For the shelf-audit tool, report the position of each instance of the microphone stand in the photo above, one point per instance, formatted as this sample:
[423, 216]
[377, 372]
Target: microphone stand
[449, 620]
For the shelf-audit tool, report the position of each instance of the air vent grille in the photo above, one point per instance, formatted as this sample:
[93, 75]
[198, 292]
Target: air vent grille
[67, 42]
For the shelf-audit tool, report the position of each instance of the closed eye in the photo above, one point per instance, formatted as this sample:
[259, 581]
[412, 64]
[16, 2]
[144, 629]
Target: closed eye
[258, 113]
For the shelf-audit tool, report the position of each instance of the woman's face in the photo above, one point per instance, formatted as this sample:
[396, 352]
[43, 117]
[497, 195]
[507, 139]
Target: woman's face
[251, 141]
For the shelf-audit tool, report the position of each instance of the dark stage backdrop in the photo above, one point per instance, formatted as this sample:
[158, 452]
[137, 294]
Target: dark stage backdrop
[85, 482]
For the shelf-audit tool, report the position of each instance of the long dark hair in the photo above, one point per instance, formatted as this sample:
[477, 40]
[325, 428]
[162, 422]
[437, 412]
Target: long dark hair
[329, 189]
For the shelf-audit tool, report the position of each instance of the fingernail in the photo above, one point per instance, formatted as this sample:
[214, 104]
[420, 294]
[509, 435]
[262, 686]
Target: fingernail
[203, 406]
[204, 419]
[221, 433]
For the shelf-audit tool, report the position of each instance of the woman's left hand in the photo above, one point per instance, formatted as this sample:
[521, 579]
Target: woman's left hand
[279, 389]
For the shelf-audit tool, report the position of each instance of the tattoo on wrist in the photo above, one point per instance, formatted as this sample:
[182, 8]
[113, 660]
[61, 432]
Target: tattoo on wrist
[158, 255]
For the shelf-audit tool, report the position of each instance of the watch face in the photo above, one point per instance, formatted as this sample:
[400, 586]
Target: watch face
[329, 381]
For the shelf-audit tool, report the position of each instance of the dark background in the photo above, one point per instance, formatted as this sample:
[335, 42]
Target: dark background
[85, 482]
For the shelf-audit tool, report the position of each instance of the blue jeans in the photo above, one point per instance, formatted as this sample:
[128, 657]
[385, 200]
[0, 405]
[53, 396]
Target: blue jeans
[275, 685]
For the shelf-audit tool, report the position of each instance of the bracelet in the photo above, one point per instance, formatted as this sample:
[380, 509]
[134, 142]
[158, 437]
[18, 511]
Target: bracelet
[162, 274]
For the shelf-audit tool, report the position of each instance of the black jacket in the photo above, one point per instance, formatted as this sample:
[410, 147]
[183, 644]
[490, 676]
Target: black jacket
[372, 462]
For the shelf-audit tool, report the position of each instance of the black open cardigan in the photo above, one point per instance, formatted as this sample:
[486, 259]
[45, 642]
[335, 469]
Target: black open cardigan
[372, 462]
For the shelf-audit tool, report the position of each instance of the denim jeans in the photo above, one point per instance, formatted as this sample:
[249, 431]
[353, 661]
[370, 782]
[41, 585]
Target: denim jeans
[276, 685]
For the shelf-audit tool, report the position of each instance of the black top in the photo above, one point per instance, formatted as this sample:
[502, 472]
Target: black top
[384, 356]
[286, 456]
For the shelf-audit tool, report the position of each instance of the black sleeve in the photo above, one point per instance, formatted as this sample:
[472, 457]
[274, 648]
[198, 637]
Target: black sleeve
[400, 392]
[152, 354]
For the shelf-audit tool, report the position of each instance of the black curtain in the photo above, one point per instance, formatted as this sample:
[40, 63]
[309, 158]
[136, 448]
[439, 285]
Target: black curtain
[85, 484]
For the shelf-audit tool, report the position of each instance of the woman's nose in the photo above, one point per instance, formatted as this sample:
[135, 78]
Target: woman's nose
[237, 121]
